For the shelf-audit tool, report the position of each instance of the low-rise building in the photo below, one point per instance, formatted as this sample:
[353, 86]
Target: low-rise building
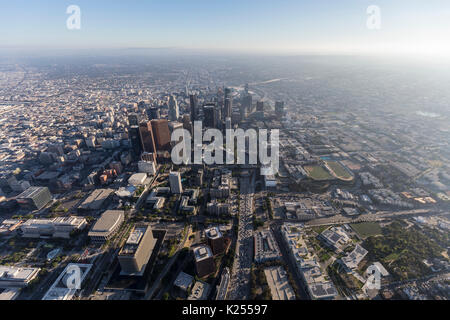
[307, 266]
[266, 247]
[107, 225]
[34, 198]
[14, 277]
[60, 227]
[200, 291]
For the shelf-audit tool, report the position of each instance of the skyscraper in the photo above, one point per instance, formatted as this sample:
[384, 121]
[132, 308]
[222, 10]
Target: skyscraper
[153, 113]
[209, 111]
[227, 108]
[279, 107]
[175, 182]
[228, 123]
[173, 109]
[147, 139]
[161, 134]
[135, 139]
[248, 103]
[193, 102]
[135, 254]
[260, 105]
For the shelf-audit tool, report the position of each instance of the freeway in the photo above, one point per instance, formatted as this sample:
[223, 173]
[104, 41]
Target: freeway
[378, 216]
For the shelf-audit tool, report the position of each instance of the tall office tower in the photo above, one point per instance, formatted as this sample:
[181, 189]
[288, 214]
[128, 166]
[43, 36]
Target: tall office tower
[193, 102]
[228, 123]
[246, 89]
[243, 112]
[147, 139]
[215, 240]
[279, 107]
[161, 134]
[173, 109]
[134, 119]
[153, 113]
[136, 252]
[260, 105]
[227, 93]
[248, 103]
[227, 108]
[175, 182]
[209, 111]
[135, 139]
[204, 261]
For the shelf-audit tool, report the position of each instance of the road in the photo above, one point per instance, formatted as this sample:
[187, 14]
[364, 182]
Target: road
[240, 278]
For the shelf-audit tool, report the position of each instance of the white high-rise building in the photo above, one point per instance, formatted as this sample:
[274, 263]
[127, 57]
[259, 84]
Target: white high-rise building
[173, 109]
[227, 123]
[175, 182]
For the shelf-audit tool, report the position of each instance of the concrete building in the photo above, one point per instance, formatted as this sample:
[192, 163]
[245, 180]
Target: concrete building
[352, 260]
[96, 199]
[335, 238]
[161, 134]
[173, 109]
[107, 225]
[134, 255]
[215, 240]
[217, 208]
[278, 283]
[175, 182]
[34, 198]
[266, 248]
[137, 179]
[307, 267]
[147, 138]
[60, 227]
[184, 281]
[14, 277]
[200, 291]
[147, 167]
[204, 261]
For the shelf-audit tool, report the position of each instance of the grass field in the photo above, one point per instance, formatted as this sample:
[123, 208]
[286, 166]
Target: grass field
[366, 229]
[339, 170]
[318, 173]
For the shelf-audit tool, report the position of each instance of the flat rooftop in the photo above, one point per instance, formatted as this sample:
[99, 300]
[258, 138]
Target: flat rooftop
[213, 233]
[202, 252]
[134, 240]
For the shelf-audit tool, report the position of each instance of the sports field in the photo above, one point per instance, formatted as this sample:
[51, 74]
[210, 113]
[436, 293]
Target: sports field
[339, 170]
[366, 229]
[316, 172]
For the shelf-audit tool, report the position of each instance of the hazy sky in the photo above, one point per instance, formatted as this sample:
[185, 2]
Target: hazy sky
[275, 26]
